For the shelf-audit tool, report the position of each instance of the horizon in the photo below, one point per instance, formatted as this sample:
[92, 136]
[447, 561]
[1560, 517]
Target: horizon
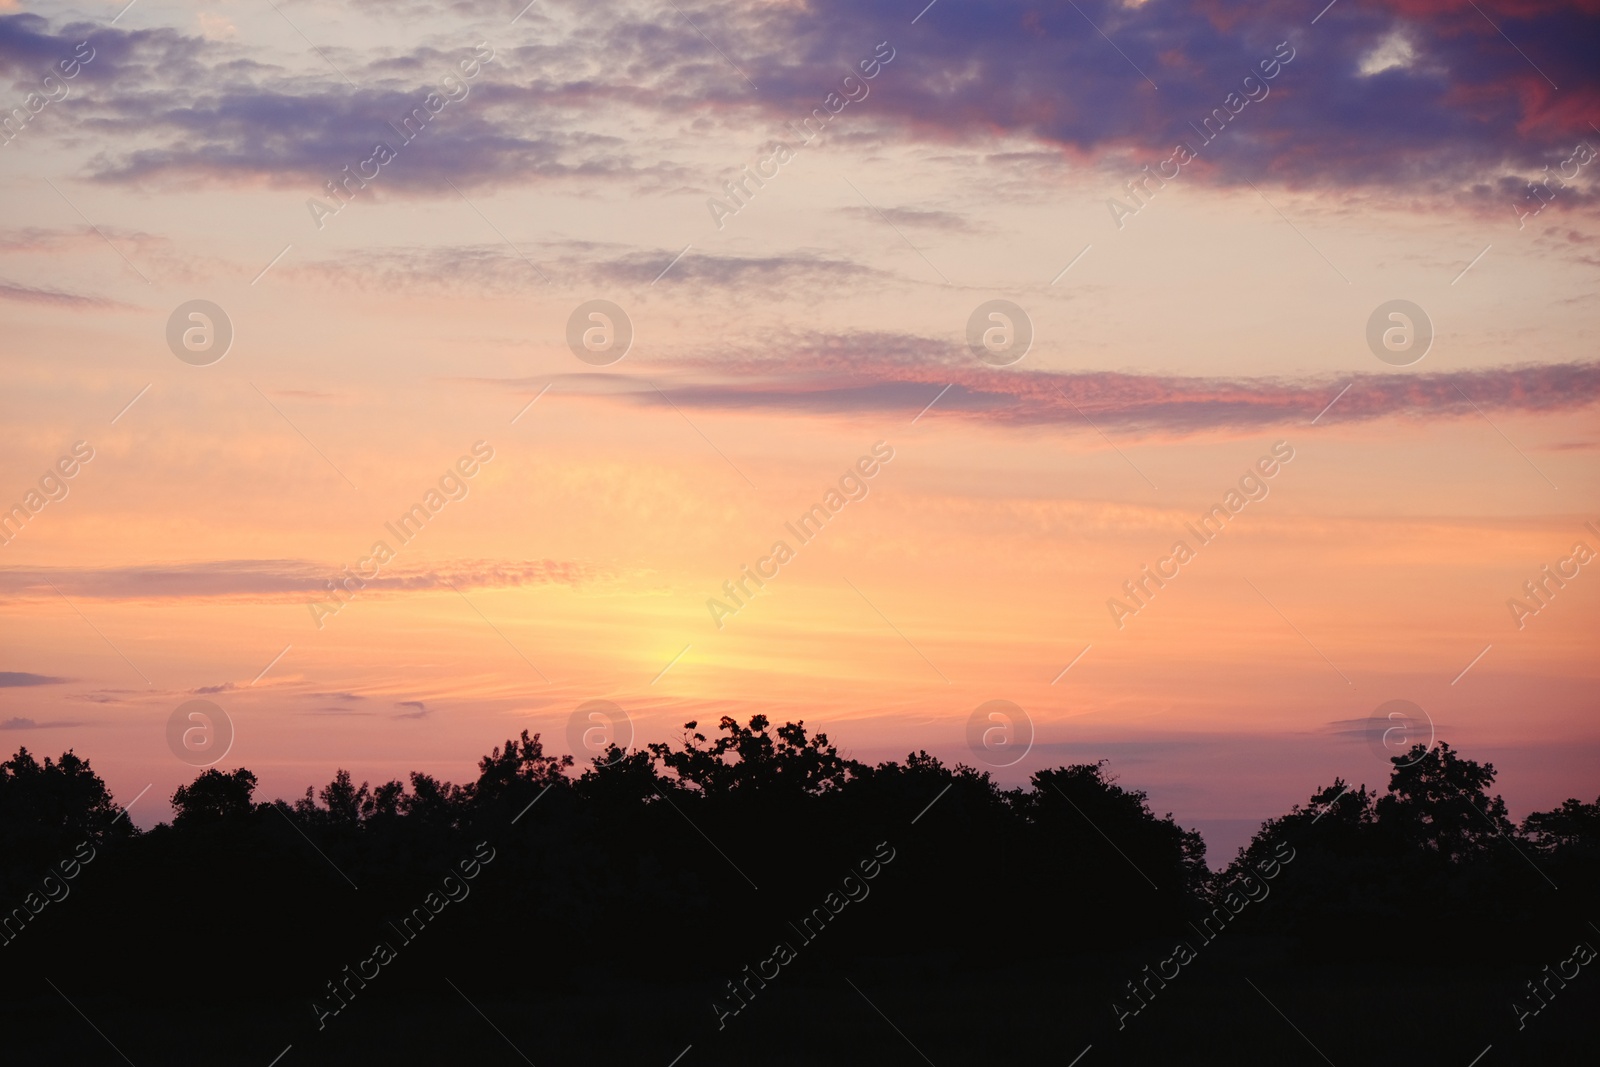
[1224, 837]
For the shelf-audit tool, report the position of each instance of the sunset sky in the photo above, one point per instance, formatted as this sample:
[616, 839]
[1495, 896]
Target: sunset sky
[1181, 330]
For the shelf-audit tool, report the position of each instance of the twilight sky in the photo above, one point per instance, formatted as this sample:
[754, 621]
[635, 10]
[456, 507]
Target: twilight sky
[1201, 208]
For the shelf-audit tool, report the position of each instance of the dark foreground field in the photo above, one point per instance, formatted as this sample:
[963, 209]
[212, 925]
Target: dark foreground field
[754, 898]
[1355, 1014]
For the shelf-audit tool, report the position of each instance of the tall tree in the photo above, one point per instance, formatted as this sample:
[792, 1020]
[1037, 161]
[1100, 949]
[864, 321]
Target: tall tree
[214, 796]
[1439, 802]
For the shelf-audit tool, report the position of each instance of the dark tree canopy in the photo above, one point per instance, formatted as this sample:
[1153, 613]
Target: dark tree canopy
[684, 862]
[1439, 802]
[215, 796]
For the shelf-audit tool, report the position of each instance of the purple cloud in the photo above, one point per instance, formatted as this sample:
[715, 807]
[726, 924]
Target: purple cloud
[1421, 95]
[20, 679]
[1148, 404]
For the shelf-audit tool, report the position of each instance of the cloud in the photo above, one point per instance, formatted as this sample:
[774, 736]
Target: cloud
[1387, 732]
[107, 696]
[421, 711]
[831, 378]
[27, 294]
[1453, 106]
[277, 579]
[20, 679]
[168, 105]
[492, 268]
[914, 218]
[1394, 51]
[206, 690]
[20, 723]
[1430, 94]
[310, 137]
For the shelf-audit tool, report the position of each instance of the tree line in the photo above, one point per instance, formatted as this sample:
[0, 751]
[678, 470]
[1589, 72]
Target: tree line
[696, 857]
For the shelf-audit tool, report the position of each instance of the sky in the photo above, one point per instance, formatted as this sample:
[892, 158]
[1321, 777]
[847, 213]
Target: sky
[1061, 277]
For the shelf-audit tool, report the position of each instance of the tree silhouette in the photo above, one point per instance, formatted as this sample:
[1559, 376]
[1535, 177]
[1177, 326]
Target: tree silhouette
[1439, 802]
[1085, 804]
[432, 801]
[749, 759]
[516, 774]
[665, 871]
[214, 796]
[47, 809]
[1573, 826]
[344, 803]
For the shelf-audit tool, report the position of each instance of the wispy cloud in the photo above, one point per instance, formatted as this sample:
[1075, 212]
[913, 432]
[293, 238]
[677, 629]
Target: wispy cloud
[419, 709]
[21, 679]
[274, 579]
[914, 218]
[28, 294]
[20, 723]
[1154, 404]
[493, 268]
